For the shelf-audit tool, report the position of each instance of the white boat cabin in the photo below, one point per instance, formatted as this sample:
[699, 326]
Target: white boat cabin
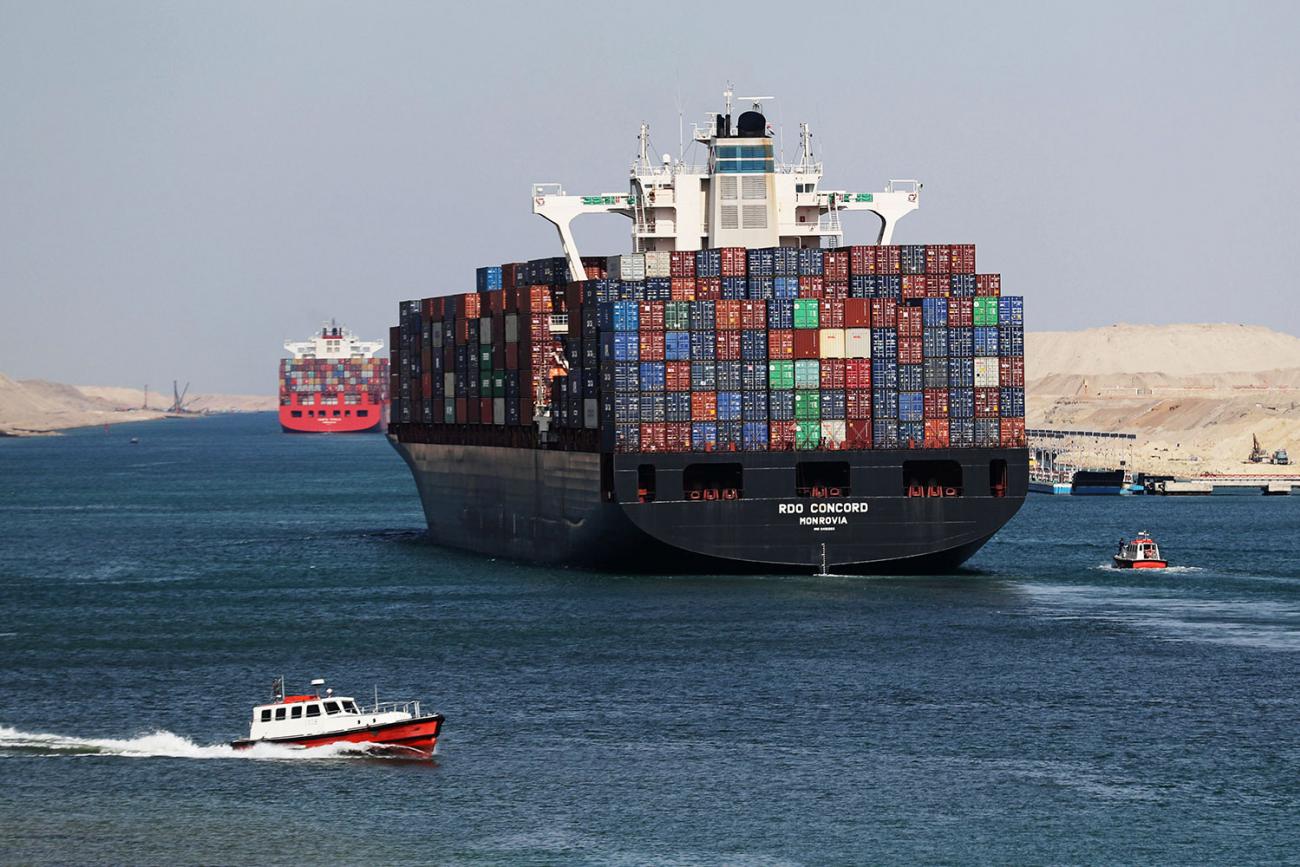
[297, 716]
[1141, 548]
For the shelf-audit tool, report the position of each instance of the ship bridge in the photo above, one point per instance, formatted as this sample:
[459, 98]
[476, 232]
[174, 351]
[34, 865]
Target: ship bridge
[741, 197]
[333, 342]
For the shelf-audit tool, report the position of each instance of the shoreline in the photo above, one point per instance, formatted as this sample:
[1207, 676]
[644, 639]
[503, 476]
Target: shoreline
[48, 429]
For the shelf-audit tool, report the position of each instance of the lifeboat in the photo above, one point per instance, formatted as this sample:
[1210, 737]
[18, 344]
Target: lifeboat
[314, 720]
[1141, 553]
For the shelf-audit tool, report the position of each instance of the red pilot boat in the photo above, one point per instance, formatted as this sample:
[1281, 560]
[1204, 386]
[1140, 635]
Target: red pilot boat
[314, 720]
[1141, 553]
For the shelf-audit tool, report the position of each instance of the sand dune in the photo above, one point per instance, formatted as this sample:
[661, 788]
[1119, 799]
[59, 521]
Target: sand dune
[34, 406]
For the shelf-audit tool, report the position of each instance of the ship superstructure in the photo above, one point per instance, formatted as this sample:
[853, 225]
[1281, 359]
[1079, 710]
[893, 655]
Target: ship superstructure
[333, 383]
[740, 391]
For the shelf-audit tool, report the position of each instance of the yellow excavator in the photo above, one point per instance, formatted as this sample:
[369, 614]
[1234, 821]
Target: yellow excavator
[1258, 455]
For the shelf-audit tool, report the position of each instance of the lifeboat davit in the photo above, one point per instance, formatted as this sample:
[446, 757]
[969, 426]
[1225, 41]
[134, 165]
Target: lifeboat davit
[1141, 553]
[314, 720]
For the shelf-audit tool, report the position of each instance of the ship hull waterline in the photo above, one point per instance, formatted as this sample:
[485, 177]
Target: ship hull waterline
[586, 509]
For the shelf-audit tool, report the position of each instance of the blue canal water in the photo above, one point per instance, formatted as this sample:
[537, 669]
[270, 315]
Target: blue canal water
[1035, 708]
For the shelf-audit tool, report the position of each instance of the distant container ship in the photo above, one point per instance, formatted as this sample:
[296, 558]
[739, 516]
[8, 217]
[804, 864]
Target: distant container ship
[740, 392]
[333, 383]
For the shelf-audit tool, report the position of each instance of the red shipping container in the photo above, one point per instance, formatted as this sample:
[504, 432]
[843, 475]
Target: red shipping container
[539, 299]
[651, 345]
[499, 356]
[889, 259]
[512, 356]
[475, 410]
[812, 283]
[857, 313]
[485, 410]
[910, 322]
[911, 350]
[961, 312]
[469, 305]
[753, 314]
[936, 403]
[780, 343]
[832, 371]
[654, 437]
[807, 343]
[733, 261]
[681, 263]
[539, 327]
[937, 259]
[838, 289]
[986, 403]
[526, 411]
[988, 285]
[708, 288]
[832, 313]
[936, 433]
[913, 286]
[1013, 432]
[650, 315]
[704, 406]
[426, 385]
[574, 294]
[677, 375]
[835, 264]
[682, 288]
[937, 285]
[962, 258]
[780, 435]
[462, 332]
[511, 296]
[862, 260]
[677, 436]
[884, 313]
[857, 433]
[727, 345]
[857, 403]
[462, 410]
[727, 315]
[1011, 371]
[857, 373]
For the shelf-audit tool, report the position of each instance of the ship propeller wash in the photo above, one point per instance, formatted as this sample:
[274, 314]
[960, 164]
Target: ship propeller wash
[740, 391]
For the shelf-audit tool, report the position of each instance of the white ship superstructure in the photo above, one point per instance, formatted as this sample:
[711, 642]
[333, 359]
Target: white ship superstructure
[333, 342]
[741, 197]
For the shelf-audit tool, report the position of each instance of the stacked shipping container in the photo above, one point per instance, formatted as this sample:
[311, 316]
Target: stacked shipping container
[328, 381]
[728, 349]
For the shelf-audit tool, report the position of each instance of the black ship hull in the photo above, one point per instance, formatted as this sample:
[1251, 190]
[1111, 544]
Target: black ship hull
[890, 511]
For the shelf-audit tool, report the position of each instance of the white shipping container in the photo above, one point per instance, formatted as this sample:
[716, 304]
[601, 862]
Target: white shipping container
[590, 413]
[986, 372]
[435, 338]
[833, 434]
[857, 343]
[657, 263]
[449, 383]
[629, 266]
[512, 328]
[832, 342]
[485, 331]
[498, 410]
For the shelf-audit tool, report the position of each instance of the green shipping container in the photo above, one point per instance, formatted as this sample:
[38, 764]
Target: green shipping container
[807, 373]
[986, 311]
[498, 383]
[808, 435]
[808, 406]
[485, 357]
[780, 374]
[677, 315]
[806, 312]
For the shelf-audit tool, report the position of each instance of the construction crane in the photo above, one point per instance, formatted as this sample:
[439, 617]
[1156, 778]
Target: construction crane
[1257, 453]
[178, 398]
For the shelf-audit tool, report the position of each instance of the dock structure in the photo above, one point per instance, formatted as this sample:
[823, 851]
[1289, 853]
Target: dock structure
[1056, 469]
[1222, 484]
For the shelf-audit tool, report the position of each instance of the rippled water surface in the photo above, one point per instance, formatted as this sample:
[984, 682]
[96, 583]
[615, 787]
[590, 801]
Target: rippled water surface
[1038, 707]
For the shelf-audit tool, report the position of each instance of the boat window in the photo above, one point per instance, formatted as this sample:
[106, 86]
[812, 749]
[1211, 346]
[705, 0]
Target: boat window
[296, 413]
[713, 482]
[350, 706]
[821, 479]
[266, 715]
[279, 713]
[998, 478]
[932, 478]
[296, 713]
[363, 413]
[645, 483]
[313, 710]
[331, 707]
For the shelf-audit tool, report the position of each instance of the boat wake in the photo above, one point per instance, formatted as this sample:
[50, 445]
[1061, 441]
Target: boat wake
[1173, 570]
[164, 744]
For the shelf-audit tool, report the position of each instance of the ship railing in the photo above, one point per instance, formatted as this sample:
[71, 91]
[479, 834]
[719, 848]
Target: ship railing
[407, 707]
[907, 185]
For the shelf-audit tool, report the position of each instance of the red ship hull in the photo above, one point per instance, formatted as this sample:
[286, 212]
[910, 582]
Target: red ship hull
[416, 736]
[1140, 564]
[301, 418]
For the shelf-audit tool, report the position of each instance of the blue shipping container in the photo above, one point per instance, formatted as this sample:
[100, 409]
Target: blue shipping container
[1011, 403]
[934, 341]
[702, 315]
[729, 406]
[884, 402]
[961, 285]
[756, 288]
[654, 407]
[911, 406]
[810, 262]
[753, 436]
[832, 404]
[961, 342]
[708, 263]
[753, 374]
[729, 376]
[753, 405]
[961, 433]
[704, 345]
[884, 372]
[911, 377]
[780, 313]
[911, 434]
[677, 345]
[961, 372]
[934, 312]
[704, 436]
[652, 376]
[1011, 340]
[785, 287]
[884, 433]
[961, 402]
[753, 345]
[787, 260]
[1011, 310]
[986, 340]
[781, 404]
[679, 405]
[704, 375]
[761, 261]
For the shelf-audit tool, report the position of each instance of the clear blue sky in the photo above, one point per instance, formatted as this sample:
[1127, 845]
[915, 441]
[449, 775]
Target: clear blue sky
[185, 185]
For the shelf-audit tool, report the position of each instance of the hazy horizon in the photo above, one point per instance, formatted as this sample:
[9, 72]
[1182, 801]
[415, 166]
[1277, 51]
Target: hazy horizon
[186, 186]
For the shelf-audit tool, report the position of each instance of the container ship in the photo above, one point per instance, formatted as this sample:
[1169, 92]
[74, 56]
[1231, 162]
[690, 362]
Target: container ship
[742, 392]
[333, 383]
